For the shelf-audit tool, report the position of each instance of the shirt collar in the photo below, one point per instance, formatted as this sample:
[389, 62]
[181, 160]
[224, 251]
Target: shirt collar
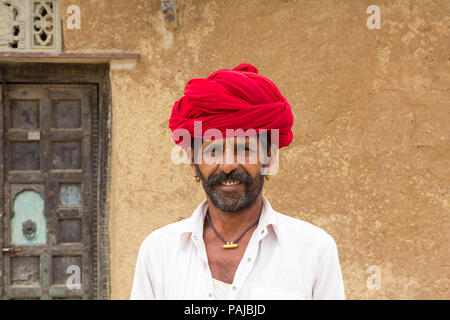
[194, 224]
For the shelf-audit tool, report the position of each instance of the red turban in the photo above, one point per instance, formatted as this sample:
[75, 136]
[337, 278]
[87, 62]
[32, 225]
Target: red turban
[232, 99]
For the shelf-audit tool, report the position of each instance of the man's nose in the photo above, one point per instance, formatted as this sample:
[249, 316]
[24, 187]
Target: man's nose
[229, 160]
[228, 167]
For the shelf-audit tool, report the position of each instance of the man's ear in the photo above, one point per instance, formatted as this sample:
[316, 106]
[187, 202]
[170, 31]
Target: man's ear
[270, 166]
[273, 156]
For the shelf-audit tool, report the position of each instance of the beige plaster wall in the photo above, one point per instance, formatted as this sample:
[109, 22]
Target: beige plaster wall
[370, 160]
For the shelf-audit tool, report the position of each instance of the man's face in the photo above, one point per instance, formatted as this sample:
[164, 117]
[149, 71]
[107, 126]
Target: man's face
[232, 183]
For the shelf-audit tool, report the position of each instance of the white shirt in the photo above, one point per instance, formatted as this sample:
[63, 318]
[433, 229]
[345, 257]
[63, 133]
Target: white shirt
[286, 258]
[221, 289]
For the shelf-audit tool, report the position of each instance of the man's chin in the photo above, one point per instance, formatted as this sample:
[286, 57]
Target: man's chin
[230, 208]
[229, 198]
[229, 203]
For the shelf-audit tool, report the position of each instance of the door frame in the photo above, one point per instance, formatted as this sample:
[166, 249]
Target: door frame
[74, 73]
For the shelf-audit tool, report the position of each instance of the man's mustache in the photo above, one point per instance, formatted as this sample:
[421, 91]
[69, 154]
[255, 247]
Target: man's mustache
[233, 175]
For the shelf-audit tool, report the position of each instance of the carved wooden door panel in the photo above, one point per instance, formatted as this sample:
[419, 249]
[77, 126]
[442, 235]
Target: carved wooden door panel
[47, 223]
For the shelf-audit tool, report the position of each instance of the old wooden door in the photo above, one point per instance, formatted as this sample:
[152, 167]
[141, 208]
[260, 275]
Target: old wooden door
[47, 224]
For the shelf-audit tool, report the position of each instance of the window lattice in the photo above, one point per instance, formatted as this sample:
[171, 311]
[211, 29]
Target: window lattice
[30, 25]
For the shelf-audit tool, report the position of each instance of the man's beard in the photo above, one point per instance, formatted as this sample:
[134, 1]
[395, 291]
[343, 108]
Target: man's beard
[232, 201]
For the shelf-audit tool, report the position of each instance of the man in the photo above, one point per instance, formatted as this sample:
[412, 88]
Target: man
[235, 245]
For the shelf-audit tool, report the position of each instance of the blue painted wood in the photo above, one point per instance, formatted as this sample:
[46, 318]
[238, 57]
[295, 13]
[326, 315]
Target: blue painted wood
[28, 205]
[70, 195]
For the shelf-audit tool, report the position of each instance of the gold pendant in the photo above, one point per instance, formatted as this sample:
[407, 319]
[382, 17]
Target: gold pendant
[230, 245]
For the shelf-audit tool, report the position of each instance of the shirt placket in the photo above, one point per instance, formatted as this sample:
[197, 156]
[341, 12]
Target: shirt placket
[201, 251]
[247, 263]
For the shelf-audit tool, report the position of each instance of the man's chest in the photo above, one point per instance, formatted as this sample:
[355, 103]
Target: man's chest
[252, 272]
[223, 267]
[223, 263]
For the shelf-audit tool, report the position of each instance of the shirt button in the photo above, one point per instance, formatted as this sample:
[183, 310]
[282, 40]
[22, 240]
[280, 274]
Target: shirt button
[249, 259]
[210, 295]
[234, 288]
[262, 232]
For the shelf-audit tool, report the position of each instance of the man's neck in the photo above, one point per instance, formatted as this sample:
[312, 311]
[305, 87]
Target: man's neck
[231, 224]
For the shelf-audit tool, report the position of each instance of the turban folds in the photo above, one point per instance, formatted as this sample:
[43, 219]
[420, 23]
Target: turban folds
[232, 99]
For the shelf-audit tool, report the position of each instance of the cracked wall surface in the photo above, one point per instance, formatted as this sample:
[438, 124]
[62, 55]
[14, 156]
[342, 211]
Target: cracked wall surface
[370, 160]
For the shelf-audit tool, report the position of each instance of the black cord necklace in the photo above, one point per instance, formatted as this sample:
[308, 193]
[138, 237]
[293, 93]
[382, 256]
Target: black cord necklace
[228, 244]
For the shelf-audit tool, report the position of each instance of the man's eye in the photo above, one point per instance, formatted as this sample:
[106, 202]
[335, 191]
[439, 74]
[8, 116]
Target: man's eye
[213, 152]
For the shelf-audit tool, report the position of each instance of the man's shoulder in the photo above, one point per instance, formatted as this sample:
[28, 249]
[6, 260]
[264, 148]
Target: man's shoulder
[299, 230]
[166, 234]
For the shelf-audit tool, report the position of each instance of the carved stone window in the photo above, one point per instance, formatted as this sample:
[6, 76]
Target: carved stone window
[30, 26]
